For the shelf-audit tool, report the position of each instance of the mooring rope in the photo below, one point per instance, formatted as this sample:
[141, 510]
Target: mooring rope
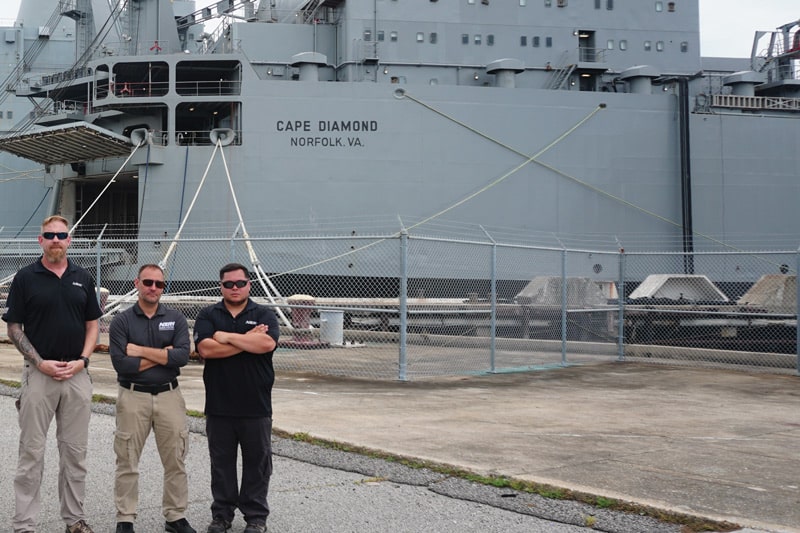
[493, 183]
[535, 159]
[261, 276]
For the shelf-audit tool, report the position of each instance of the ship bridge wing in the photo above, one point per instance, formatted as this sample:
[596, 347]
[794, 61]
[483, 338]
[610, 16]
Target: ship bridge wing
[68, 143]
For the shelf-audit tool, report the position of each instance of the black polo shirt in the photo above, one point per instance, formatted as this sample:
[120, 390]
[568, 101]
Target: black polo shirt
[167, 327]
[53, 311]
[240, 385]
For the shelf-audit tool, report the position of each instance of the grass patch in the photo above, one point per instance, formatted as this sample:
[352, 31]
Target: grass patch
[100, 398]
[371, 480]
[605, 503]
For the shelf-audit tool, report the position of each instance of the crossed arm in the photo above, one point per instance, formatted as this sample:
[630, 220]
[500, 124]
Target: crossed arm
[130, 357]
[224, 344]
[148, 357]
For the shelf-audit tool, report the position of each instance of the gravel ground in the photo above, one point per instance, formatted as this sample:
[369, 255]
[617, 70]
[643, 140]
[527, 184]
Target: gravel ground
[315, 488]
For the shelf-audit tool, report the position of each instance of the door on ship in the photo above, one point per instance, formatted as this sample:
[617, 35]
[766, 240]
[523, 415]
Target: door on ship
[117, 207]
[588, 52]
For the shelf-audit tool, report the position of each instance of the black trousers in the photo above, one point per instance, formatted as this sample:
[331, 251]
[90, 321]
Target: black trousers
[254, 436]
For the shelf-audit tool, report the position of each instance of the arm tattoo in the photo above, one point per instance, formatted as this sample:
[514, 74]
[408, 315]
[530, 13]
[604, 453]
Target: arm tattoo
[22, 343]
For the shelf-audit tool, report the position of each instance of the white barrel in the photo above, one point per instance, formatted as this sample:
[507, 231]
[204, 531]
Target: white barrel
[331, 327]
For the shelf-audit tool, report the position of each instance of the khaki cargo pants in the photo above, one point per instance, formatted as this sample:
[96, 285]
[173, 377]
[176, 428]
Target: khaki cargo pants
[70, 402]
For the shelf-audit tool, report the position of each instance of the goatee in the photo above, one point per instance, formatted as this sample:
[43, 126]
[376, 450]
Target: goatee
[55, 256]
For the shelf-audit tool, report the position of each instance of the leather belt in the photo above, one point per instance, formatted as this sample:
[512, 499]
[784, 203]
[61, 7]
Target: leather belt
[150, 389]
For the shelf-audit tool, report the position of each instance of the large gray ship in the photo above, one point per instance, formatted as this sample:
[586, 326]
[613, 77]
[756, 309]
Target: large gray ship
[593, 123]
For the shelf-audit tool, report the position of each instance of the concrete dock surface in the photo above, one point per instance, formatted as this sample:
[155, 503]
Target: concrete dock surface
[710, 443]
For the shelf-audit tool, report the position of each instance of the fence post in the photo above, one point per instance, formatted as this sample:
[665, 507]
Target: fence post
[98, 256]
[797, 312]
[563, 307]
[98, 291]
[492, 303]
[98, 253]
[621, 300]
[403, 299]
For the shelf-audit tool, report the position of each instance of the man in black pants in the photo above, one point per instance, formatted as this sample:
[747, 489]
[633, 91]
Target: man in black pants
[237, 338]
[149, 343]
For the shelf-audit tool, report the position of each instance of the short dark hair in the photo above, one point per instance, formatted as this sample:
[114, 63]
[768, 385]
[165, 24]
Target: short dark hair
[230, 267]
[149, 265]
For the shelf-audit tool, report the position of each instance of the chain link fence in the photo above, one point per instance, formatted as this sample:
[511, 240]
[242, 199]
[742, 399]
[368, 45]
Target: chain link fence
[402, 306]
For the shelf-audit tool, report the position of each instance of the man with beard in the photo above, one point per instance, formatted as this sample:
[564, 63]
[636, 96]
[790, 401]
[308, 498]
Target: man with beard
[149, 343]
[52, 320]
[237, 337]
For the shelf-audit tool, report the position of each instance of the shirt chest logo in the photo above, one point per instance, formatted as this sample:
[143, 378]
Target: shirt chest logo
[166, 326]
[250, 323]
[77, 284]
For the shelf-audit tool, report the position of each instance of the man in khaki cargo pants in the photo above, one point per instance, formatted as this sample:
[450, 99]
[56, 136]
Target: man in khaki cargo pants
[149, 343]
[52, 320]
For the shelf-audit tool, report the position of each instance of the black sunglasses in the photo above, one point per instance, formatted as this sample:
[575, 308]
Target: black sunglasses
[149, 283]
[50, 235]
[239, 284]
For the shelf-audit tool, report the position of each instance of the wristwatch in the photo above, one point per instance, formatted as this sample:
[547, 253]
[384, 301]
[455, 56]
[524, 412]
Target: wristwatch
[85, 362]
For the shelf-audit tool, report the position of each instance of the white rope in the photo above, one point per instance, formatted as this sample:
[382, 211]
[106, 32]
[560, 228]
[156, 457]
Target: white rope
[126, 297]
[529, 159]
[9, 278]
[261, 276]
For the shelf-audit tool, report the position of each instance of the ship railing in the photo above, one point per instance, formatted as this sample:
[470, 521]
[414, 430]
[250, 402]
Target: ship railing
[158, 137]
[115, 48]
[143, 89]
[208, 88]
[312, 13]
[127, 48]
[559, 71]
[219, 41]
[755, 103]
[789, 71]
[369, 50]
[68, 106]
[67, 5]
[153, 48]
[201, 138]
[210, 41]
[591, 55]
[160, 88]
[61, 77]
[782, 104]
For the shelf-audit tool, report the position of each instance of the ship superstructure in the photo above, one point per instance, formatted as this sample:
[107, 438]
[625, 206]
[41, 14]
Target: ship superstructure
[590, 121]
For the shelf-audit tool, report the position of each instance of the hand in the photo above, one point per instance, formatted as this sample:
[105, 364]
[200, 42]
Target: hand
[60, 370]
[261, 328]
[132, 350]
[224, 337]
[221, 337]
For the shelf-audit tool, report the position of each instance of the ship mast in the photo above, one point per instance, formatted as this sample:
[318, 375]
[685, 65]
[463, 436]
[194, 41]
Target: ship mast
[149, 26]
